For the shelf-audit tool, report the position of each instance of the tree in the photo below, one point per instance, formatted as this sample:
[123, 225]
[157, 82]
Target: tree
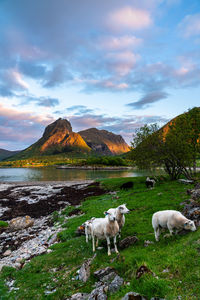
[182, 141]
[176, 146]
[146, 147]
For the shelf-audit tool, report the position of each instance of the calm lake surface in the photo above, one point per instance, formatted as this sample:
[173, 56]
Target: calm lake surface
[53, 174]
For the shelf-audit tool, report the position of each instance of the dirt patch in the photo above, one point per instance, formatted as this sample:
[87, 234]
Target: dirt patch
[37, 202]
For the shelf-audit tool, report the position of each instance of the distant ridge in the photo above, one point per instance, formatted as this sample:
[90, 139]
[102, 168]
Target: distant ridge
[6, 153]
[58, 137]
[104, 142]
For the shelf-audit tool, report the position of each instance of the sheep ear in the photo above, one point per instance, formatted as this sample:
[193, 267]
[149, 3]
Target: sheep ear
[106, 213]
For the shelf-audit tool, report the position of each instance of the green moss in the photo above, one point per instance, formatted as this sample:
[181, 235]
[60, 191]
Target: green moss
[3, 224]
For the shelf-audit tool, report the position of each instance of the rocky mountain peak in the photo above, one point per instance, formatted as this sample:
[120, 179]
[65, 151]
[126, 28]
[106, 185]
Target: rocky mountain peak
[60, 125]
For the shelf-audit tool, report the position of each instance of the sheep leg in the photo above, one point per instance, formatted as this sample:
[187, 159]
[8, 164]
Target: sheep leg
[86, 238]
[86, 234]
[157, 233]
[93, 243]
[97, 242]
[115, 244]
[108, 243]
[170, 229]
[177, 231]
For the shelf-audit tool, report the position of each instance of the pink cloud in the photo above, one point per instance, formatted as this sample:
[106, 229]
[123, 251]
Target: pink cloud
[190, 26]
[122, 62]
[15, 115]
[19, 130]
[129, 18]
[17, 42]
[117, 43]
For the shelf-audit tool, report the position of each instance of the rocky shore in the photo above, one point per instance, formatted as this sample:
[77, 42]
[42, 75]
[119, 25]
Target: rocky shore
[38, 200]
[93, 168]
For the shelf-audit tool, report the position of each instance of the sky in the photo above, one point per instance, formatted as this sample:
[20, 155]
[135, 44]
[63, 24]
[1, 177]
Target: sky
[110, 64]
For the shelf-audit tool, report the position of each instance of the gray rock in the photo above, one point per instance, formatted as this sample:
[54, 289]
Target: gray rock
[128, 241]
[21, 223]
[147, 243]
[133, 296]
[53, 239]
[195, 194]
[99, 274]
[84, 272]
[7, 253]
[79, 296]
[98, 294]
[186, 181]
[115, 285]
[108, 278]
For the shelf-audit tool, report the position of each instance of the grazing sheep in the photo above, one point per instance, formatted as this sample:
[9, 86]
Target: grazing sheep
[127, 185]
[170, 219]
[119, 214]
[150, 182]
[104, 228]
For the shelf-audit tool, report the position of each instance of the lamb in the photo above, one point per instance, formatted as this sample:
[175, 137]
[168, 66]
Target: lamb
[104, 228]
[119, 214]
[150, 182]
[87, 226]
[170, 219]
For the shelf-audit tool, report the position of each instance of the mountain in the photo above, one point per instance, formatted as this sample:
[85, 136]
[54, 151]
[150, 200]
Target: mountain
[193, 119]
[6, 153]
[104, 142]
[58, 138]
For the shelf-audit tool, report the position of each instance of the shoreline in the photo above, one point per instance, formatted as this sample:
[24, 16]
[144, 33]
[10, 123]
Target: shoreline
[50, 182]
[94, 168]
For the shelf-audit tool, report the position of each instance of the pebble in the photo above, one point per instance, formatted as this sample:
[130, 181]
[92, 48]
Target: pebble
[7, 253]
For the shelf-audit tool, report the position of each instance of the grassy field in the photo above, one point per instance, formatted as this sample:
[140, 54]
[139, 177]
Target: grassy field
[175, 260]
[65, 159]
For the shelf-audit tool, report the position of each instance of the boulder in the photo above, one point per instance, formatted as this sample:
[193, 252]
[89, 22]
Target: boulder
[100, 274]
[21, 223]
[84, 272]
[128, 241]
[98, 294]
[115, 285]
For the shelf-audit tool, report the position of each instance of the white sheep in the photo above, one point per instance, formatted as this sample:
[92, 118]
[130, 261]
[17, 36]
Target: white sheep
[88, 228]
[170, 219]
[119, 213]
[104, 228]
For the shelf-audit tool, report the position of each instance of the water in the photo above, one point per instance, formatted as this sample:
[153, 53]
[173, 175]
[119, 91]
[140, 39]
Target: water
[53, 174]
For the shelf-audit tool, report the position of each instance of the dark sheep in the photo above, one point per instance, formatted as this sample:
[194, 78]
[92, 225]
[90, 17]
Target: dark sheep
[127, 185]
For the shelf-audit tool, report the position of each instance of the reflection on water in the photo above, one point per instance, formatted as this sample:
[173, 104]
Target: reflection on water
[53, 174]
